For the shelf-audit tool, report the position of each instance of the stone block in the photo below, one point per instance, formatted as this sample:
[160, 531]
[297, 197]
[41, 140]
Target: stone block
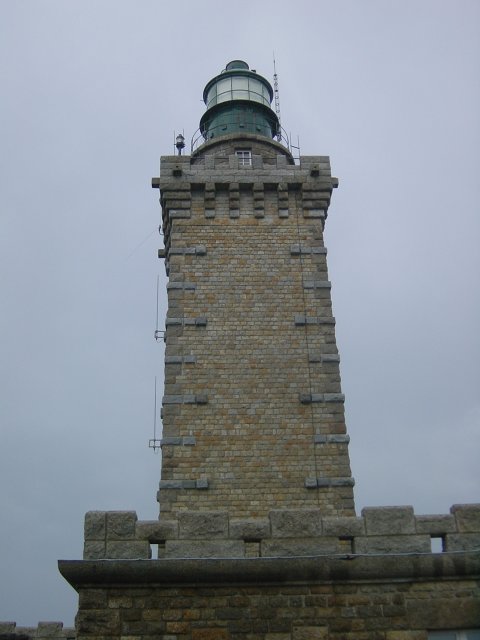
[128, 550]
[288, 547]
[462, 541]
[7, 627]
[121, 525]
[389, 520]
[310, 633]
[343, 526]
[204, 525]
[48, 629]
[435, 525]
[95, 525]
[94, 550]
[289, 523]
[444, 613]
[392, 544]
[467, 517]
[204, 549]
[211, 633]
[249, 528]
[157, 530]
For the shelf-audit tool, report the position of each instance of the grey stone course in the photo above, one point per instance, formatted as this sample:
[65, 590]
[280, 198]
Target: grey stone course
[343, 526]
[462, 541]
[121, 525]
[286, 523]
[393, 544]
[249, 528]
[308, 398]
[156, 531]
[467, 517]
[317, 284]
[95, 527]
[204, 549]
[128, 550]
[380, 530]
[178, 441]
[203, 525]
[180, 359]
[435, 525]
[331, 439]
[185, 286]
[299, 547]
[300, 320]
[389, 520]
[297, 249]
[188, 398]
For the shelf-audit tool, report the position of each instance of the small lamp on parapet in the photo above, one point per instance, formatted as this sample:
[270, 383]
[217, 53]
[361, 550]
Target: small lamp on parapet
[180, 143]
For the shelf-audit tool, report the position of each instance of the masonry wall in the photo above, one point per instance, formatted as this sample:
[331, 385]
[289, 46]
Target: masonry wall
[253, 415]
[403, 610]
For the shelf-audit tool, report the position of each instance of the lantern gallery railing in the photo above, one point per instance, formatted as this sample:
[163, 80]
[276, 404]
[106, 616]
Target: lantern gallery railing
[251, 127]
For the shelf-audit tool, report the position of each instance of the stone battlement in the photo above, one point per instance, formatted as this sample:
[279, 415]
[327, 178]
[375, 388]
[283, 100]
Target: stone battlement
[283, 533]
[44, 630]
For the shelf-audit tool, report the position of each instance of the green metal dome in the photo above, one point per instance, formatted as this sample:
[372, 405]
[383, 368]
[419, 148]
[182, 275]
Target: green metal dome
[238, 101]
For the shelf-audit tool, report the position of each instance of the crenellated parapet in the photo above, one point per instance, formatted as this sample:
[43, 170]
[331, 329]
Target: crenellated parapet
[283, 533]
[43, 631]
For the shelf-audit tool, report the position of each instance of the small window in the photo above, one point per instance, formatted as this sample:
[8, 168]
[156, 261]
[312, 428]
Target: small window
[244, 157]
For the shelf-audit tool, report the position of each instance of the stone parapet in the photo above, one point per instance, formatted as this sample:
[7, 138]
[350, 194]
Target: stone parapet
[43, 631]
[284, 533]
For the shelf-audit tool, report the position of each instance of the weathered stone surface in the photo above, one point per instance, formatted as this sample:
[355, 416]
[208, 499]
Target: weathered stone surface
[392, 544]
[310, 633]
[249, 528]
[338, 526]
[288, 523]
[203, 525]
[467, 517]
[95, 525]
[129, 549]
[94, 549]
[204, 549]
[298, 546]
[47, 629]
[121, 525]
[157, 530]
[435, 524]
[389, 520]
[462, 541]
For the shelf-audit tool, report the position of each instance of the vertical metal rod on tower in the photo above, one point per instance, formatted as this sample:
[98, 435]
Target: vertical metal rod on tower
[277, 98]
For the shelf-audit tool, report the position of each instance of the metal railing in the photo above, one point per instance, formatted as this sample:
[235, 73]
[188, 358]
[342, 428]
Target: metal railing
[198, 138]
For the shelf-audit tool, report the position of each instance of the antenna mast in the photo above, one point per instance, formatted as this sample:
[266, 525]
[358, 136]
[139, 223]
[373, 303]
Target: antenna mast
[277, 98]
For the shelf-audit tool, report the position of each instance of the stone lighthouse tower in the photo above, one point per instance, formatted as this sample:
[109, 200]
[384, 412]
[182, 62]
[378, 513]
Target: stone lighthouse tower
[253, 416]
[257, 537]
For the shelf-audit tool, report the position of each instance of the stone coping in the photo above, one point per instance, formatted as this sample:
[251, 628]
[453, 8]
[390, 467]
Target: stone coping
[326, 569]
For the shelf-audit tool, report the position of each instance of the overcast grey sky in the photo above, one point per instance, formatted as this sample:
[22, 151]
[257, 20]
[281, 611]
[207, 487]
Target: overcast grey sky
[92, 92]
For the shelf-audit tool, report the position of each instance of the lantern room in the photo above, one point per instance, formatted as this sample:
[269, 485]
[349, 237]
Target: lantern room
[238, 101]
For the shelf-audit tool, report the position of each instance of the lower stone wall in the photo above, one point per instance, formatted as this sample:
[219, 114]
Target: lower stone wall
[401, 600]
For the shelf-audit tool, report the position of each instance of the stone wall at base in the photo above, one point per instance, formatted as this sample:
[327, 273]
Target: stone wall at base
[328, 598]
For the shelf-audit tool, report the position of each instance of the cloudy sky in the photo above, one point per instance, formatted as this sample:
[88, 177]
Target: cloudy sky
[91, 95]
